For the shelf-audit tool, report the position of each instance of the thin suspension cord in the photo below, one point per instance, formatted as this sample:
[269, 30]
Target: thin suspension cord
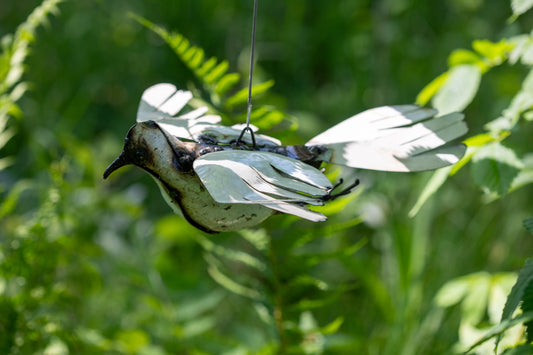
[251, 68]
[248, 114]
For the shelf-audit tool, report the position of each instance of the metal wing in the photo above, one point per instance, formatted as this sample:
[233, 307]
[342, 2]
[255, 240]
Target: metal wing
[161, 103]
[395, 138]
[274, 181]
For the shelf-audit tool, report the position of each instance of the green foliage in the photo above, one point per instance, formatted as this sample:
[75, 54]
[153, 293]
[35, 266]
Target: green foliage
[217, 82]
[495, 168]
[14, 50]
[103, 267]
[521, 6]
[528, 224]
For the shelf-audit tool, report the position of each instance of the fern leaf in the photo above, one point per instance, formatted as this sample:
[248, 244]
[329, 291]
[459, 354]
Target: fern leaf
[206, 67]
[217, 72]
[182, 47]
[227, 82]
[15, 49]
[241, 96]
[212, 73]
[197, 59]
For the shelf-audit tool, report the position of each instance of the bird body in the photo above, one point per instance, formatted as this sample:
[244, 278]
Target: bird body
[220, 180]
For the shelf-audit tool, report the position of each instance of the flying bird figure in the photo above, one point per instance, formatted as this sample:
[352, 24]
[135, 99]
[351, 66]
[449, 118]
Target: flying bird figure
[222, 180]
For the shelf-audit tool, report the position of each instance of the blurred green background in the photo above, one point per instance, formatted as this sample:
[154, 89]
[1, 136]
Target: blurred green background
[91, 266]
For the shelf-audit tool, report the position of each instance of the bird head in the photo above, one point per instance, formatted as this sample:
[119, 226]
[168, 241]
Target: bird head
[151, 148]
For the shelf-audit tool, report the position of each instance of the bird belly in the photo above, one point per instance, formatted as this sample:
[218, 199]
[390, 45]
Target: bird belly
[196, 205]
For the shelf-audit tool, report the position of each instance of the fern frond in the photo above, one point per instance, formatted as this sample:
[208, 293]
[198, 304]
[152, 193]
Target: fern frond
[214, 76]
[211, 72]
[15, 50]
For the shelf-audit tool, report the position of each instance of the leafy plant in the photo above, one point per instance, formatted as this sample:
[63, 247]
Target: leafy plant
[496, 168]
[93, 267]
[216, 81]
[15, 49]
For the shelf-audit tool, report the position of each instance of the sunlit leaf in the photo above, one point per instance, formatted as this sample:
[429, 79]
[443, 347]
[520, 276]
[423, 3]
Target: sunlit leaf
[458, 90]
[494, 167]
[495, 52]
[217, 72]
[227, 82]
[242, 95]
[523, 44]
[463, 56]
[228, 282]
[206, 67]
[133, 340]
[258, 238]
[174, 228]
[332, 327]
[196, 326]
[232, 254]
[197, 59]
[269, 119]
[7, 205]
[521, 6]
[502, 327]
[431, 89]
[452, 292]
[437, 180]
[525, 277]
[188, 55]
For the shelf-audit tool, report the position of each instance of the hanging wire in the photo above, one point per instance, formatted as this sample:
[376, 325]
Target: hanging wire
[249, 110]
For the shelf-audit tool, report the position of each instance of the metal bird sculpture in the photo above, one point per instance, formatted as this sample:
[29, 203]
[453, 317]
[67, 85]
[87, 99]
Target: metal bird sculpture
[222, 180]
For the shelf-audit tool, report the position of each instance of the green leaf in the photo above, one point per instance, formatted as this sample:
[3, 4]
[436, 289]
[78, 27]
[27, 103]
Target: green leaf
[9, 202]
[522, 50]
[217, 72]
[195, 306]
[431, 89]
[231, 254]
[502, 327]
[332, 327]
[494, 168]
[241, 96]
[206, 67]
[452, 292]
[197, 59]
[228, 282]
[227, 82]
[520, 6]
[437, 180]
[527, 306]
[133, 340]
[525, 276]
[258, 238]
[524, 349]
[528, 224]
[463, 56]
[495, 52]
[479, 140]
[266, 117]
[459, 89]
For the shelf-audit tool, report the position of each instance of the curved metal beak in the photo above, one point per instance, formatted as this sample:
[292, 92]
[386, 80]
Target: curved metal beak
[118, 163]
